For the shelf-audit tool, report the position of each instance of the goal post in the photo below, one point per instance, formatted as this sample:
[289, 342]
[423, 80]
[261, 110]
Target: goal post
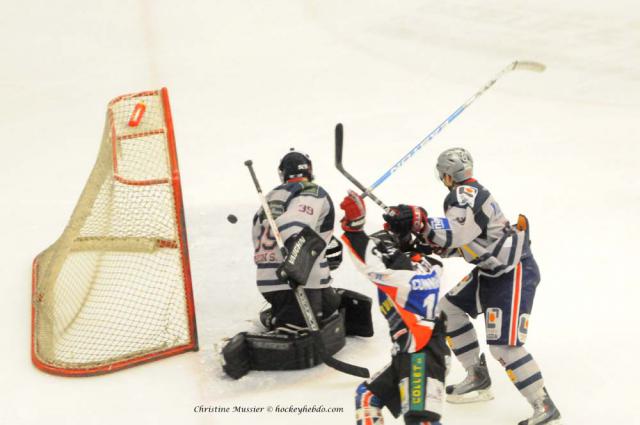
[115, 289]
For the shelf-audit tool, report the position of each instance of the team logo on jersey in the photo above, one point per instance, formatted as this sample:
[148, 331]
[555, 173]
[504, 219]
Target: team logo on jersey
[377, 277]
[467, 195]
[523, 327]
[439, 223]
[493, 322]
[461, 285]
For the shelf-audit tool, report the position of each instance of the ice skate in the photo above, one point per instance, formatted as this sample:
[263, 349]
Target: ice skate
[475, 387]
[544, 411]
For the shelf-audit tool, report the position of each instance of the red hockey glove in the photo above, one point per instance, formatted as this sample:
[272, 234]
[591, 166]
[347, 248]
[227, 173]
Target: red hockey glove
[354, 212]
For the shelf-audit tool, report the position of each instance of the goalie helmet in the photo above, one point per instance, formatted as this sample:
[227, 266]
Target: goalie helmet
[295, 164]
[457, 163]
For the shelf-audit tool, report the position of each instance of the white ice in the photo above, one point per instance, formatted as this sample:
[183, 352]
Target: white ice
[249, 79]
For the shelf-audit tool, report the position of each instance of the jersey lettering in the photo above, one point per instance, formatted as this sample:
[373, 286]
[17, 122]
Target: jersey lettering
[305, 209]
[439, 223]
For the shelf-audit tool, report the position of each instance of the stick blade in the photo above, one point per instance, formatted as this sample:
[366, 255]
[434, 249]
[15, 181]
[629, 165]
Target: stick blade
[529, 66]
[347, 368]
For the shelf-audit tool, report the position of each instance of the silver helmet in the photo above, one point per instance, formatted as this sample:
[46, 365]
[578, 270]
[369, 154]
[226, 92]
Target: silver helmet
[457, 163]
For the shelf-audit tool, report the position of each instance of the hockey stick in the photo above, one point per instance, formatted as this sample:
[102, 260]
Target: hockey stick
[339, 136]
[513, 66]
[301, 296]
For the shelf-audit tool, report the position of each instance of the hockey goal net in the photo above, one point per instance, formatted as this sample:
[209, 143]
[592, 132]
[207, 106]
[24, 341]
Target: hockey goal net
[115, 289]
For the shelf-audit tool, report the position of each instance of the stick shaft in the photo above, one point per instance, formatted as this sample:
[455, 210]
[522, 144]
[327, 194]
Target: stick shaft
[516, 65]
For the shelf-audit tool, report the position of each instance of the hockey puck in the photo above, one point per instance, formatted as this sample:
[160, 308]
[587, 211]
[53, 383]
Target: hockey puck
[232, 218]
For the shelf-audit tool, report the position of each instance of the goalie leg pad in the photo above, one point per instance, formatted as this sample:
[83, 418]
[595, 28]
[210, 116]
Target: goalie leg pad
[235, 356]
[285, 348]
[357, 311]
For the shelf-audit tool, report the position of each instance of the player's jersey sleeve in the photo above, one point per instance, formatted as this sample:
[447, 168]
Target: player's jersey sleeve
[459, 226]
[408, 298]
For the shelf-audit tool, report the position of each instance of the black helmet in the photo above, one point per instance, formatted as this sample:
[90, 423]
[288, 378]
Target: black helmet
[388, 244]
[295, 164]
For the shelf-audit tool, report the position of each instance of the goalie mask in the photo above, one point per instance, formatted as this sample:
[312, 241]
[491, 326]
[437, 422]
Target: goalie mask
[295, 165]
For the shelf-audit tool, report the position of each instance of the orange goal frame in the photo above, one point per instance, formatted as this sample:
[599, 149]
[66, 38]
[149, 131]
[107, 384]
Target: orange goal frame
[192, 345]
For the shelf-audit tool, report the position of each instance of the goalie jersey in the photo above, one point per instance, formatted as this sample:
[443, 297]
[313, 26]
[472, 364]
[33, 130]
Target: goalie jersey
[294, 205]
[475, 228]
[408, 291]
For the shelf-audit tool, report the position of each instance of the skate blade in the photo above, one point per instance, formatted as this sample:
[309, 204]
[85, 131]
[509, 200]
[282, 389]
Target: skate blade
[553, 422]
[471, 397]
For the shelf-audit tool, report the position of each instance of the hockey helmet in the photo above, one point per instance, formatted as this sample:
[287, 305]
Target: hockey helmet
[388, 245]
[295, 164]
[455, 162]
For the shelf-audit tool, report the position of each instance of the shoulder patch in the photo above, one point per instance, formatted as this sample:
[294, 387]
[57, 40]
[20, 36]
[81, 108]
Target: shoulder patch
[439, 223]
[466, 195]
[309, 188]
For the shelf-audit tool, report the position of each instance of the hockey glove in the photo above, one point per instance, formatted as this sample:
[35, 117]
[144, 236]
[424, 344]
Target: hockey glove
[354, 212]
[421, 247]
[304, 251]
[333, 253]
[405, 219]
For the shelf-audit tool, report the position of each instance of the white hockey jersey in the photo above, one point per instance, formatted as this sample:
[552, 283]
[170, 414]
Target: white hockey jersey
[293, 205]
[475, 228]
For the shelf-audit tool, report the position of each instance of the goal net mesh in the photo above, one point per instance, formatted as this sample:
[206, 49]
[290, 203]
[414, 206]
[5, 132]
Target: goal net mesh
[115, 289]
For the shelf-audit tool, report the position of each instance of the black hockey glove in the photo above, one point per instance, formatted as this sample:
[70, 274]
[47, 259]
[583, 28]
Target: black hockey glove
[304, 249]
[334, 253]
[421, 247]
[405, 219]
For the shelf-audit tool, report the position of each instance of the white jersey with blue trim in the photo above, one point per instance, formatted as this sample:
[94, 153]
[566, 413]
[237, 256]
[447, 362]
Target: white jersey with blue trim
[293, 205]
[475, 228]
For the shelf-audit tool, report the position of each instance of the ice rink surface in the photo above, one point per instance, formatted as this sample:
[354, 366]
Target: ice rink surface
[249, 79]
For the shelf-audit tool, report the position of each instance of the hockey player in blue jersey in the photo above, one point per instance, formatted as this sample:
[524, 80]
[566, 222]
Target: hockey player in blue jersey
[412, 385]
[501, 286]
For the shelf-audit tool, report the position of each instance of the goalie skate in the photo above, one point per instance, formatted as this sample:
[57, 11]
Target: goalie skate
[475, 387]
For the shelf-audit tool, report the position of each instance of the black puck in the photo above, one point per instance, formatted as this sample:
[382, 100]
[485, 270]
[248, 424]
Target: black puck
[232, 218]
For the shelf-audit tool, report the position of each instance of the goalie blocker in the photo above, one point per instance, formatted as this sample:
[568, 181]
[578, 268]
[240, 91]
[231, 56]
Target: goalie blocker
[292, 348]
[304, 249]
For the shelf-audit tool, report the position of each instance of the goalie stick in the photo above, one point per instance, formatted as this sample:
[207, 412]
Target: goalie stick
[301, 296]
[513, 66]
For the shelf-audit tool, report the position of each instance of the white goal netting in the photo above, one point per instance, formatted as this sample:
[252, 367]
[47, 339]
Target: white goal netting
[115, 289]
